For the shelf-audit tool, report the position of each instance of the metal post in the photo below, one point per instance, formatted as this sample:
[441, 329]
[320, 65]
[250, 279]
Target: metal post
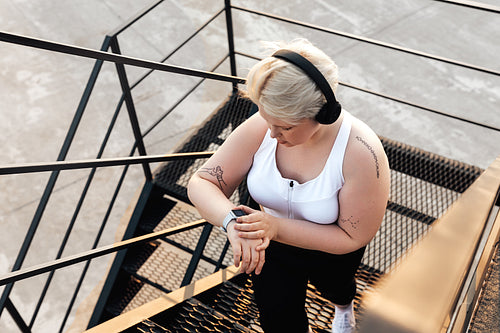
[120, 255]
[195, 259]
[230, 40]
[120, 68]
[17, 316]
[222, 256]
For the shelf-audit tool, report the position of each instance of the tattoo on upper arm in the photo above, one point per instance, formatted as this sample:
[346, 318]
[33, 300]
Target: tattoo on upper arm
[350, 220]
[217, 173]
[371, 151]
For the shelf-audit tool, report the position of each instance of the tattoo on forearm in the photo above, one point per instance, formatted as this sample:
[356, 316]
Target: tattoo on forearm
[371, 151]
[216, 172]
[351, 220]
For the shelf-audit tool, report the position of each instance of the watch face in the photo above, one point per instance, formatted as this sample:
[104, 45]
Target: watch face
[238, 212]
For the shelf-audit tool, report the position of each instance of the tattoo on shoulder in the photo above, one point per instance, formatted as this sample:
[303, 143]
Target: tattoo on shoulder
[217, 173]
[350, 220]
[372, 151]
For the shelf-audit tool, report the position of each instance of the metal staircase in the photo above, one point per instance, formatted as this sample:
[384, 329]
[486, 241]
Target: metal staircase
[172, 271]
[423, 186]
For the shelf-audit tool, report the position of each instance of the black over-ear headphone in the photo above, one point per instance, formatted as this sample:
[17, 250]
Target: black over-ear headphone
[329, 112]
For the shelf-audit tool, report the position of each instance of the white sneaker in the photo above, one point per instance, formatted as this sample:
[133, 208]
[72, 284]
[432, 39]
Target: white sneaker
[344, 323]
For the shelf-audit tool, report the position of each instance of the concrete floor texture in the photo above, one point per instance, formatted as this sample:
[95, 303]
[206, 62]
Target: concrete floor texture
[40, 91]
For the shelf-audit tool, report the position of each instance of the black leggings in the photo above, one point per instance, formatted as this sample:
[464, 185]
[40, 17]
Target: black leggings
[280, 289]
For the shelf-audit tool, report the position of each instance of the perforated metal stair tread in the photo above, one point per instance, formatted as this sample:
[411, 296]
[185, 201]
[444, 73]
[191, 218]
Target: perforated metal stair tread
[231, 307]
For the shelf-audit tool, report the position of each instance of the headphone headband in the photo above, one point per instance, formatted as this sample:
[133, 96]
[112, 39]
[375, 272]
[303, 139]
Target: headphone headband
[330, 112]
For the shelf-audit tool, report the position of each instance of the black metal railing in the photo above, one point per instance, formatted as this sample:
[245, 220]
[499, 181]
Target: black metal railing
[111, 42]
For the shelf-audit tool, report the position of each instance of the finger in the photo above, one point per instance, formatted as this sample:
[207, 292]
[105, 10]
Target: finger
[254, 262]
[262, 260]
[245, 259]
[251, 234]
[246, 209]
[264, 245]
[246, 226]
[237, 255]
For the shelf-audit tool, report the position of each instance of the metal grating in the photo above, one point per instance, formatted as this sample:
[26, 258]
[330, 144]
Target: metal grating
[230, 307]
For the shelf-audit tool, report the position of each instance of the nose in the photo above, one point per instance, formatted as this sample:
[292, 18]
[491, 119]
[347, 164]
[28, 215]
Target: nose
[275, 132]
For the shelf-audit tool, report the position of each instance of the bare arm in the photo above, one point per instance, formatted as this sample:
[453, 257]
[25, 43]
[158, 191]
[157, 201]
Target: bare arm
[212, 185]
[362, 202]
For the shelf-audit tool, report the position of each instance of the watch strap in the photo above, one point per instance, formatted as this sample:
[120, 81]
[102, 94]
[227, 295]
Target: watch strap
[229, 217]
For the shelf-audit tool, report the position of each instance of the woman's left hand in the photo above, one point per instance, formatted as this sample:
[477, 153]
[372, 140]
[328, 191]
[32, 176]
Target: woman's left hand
[256, 225]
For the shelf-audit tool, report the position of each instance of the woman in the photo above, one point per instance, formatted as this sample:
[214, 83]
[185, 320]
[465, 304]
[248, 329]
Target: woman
[321, 178]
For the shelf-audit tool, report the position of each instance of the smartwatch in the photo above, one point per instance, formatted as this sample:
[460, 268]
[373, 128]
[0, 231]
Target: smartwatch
[232, 216]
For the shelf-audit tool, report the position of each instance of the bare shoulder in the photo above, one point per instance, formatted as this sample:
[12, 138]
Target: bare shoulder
[248, 136]
[232, 160]
[236, 153]
[365, 153]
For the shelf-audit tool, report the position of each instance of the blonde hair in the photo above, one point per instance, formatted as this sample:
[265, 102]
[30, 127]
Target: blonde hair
[283, 89]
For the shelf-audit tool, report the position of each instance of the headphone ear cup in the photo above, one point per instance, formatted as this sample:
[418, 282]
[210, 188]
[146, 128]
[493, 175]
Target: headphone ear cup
[328, 113]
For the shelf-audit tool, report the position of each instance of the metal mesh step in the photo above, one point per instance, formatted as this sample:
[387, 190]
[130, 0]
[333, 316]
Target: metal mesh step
[230, 307]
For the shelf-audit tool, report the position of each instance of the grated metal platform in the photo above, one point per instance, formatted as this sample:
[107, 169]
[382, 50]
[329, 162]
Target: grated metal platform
[423, 186]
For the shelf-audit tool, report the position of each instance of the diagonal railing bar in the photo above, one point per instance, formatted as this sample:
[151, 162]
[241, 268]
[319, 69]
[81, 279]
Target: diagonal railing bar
[180, 100]
[402, 101]
[55, 174]
[105, 162]
[194, 34]
[16, 316]
[188, 249]
[134, 121]
[196, 256]
[134, 19]
[473, 4]
[399, 100]
[370, 41]
[98, 252]
[118, 259]
[96, 241]
[62, 247]
[230, 40]
[116, 58]
[77, 209]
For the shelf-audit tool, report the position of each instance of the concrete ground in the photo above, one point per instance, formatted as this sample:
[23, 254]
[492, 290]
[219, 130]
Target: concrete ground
[40, 90]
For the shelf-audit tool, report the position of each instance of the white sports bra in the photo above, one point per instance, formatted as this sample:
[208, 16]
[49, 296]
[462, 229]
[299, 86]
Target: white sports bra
[315, 200]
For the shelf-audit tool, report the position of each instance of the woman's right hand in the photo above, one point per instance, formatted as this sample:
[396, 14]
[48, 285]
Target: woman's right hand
[245, 251]
[257, 225]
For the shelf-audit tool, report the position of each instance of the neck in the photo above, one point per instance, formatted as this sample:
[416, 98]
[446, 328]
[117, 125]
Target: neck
[325, 132]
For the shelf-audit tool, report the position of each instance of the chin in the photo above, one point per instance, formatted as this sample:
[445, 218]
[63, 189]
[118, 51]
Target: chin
[286, 144]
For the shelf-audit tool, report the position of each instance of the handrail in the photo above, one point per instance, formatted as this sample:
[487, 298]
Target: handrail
[421, 107]
[98, 252]
[116, 58]
[105, 162]
[134, 19]
[434, 301]
[474, 4]
[370, 41]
